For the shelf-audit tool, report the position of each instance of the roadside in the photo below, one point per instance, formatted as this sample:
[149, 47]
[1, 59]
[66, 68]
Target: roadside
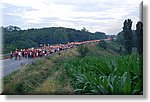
[44, 76]
[9, 66]
[50, 74]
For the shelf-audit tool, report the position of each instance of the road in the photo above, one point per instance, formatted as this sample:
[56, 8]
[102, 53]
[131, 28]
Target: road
[11, 65]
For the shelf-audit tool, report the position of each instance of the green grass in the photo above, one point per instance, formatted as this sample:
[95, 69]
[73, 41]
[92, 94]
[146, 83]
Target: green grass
[112, 46]
[96, 50]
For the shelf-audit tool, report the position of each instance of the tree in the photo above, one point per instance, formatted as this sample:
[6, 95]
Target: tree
[119, 38]
[84, 29]
[127, 35]
[52, 35]
[139, 34]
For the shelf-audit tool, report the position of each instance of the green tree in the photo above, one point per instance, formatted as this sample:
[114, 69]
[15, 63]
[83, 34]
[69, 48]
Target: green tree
[84, 29]
[139, 34]
[53, 35]
[119, 38]
[127, 35]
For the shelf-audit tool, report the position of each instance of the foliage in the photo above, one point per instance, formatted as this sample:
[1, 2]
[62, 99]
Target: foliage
[103, 44]
[82, 50]
[119, 38]
[97, 75]
[84, 29]
[127, 35]
[65, 73]
[118, 48]
[52, 35]
[139, 34]
[131, 38]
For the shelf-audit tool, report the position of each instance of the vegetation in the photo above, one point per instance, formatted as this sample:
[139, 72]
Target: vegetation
[128, 36]
[83, 50]
[115, 47]
[131, 38]
[100, 71]
[44, 76]
[119, 38]
[103, 68]
[14, 37]
[98, 75]
[139, 34]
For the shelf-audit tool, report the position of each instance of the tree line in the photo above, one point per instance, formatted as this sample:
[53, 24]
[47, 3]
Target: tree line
[14, 37]
[131, 38]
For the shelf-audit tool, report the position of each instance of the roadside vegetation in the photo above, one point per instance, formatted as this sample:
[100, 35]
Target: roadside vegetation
[86, 69]
[43, 76]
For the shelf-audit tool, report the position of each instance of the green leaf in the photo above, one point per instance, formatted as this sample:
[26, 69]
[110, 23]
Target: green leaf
[137, 87]
[127, 84]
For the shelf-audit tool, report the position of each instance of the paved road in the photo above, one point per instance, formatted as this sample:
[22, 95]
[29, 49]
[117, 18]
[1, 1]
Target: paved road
[11, 65]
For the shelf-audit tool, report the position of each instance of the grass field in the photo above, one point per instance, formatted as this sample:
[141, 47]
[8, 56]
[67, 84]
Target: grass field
[99, 71]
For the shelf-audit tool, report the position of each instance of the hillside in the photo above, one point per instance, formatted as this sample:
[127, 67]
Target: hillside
[15, 38]
[100, 71]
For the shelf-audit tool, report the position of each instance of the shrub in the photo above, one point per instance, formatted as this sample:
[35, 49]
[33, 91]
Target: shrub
[82, 50]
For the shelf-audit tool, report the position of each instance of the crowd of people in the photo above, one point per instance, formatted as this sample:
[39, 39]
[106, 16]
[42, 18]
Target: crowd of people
[44, 50]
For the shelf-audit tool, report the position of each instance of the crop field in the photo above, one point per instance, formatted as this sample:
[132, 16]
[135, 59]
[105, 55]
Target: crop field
[101, 75]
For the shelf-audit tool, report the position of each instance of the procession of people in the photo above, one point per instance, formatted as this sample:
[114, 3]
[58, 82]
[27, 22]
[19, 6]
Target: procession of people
[44, 50]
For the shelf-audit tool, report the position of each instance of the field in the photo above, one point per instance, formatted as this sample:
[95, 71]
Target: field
[100, 75]
[102, 69]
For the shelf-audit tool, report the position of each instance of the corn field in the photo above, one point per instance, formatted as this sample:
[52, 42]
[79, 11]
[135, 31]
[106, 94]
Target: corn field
[122, 75]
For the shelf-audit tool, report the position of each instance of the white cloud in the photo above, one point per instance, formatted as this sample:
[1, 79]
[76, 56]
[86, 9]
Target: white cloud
[75, 13]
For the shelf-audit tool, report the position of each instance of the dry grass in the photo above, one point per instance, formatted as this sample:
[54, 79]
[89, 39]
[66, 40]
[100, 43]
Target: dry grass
[48, 87]
[58, 83]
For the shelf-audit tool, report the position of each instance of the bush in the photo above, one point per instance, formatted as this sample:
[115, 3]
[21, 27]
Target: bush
[103, 44]
[82, 50]
[19, 88]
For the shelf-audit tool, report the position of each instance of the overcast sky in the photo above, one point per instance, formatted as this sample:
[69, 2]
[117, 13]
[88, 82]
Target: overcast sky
[95, 15]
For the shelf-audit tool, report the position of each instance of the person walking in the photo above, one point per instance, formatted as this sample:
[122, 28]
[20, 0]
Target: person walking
[19, 54]
[11, 55]
[16, 55]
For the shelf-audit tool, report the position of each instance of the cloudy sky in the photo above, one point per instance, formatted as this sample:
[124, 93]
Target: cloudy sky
[95, 15]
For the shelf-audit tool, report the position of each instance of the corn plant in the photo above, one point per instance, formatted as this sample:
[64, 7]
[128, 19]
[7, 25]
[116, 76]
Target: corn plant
[98, 75]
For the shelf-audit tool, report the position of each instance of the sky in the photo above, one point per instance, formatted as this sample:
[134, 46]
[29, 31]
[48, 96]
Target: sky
[95, 15]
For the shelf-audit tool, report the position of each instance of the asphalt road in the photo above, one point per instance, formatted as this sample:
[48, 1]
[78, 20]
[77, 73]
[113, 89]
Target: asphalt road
[11, 65]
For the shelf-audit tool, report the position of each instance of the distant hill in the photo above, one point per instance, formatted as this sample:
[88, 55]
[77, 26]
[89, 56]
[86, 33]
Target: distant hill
[14, 37]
